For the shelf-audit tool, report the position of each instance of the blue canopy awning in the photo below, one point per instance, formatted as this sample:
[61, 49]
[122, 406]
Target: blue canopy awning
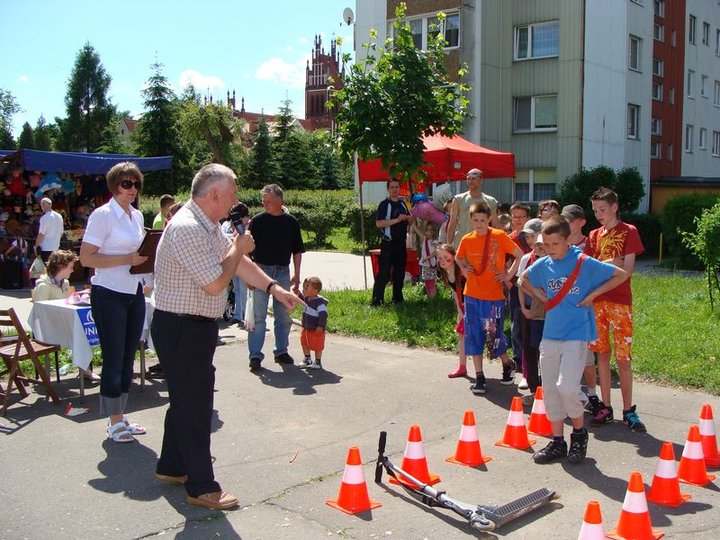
[80, 163]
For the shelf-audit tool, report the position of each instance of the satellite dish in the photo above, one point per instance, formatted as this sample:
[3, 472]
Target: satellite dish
[348, 16]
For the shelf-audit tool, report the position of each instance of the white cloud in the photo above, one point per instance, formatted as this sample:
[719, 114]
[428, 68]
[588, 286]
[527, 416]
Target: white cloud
[23, 79]
[283, 73]
[200, 81]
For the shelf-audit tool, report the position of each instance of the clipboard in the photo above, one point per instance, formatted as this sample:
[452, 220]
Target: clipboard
[147, 248]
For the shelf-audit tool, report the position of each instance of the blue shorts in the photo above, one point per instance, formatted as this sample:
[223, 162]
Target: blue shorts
[484, 321]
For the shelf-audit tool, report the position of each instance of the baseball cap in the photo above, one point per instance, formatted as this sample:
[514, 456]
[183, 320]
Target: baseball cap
[573, 211]
[533, 226]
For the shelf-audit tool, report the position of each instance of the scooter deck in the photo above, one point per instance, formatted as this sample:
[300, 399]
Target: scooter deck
[501, 515]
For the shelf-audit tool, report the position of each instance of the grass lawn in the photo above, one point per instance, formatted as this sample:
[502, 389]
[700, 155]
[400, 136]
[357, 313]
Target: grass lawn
[677, 338]
[339, 241]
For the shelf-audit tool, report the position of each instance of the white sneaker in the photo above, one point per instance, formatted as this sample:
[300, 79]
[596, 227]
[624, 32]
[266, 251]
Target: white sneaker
[306, 363]
[316, 365]
[523, 384]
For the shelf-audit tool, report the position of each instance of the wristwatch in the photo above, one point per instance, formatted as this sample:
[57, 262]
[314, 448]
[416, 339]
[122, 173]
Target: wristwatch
[270, 286]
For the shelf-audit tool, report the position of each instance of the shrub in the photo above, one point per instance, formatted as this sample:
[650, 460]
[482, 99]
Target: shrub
[678, 217]
[649, 227]
[372, 233]
[705, 244]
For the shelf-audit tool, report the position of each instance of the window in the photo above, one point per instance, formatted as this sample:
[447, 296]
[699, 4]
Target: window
[659, 32]
[537, 41]
[634, 53]
[690, 82]
[535, 184]
[671, 149]
[673, 37]
[706, 34]
[656, 126]
[691, 29]
[716, 97]
[703, 85]
[659, 7]
[537, 113]
[416, 27]
[688, 138]
[657, 91]
[451, 29]
[658, 67]
[716, 144]
[702, 141]
[717, 42]
[638, 2]
[656, 150]
[633, 121]
[671, 96]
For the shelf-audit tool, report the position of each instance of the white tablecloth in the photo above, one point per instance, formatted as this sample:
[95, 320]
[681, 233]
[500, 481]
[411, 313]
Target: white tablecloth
[54, 321]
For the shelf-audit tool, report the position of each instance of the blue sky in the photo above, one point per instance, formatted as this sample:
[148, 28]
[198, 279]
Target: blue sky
[258, 49]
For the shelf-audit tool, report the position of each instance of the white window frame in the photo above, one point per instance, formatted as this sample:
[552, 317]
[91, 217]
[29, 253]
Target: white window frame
[692, 21]
[424, 28]
[530, 30]
[689, 83]
[716, 94]
[533, 104]
[658, 67]
[717, 42]
[656, 150]
[430, 20]
[659, 8]
[706, 34]
[689, 134]
[659, 32]
[638, 53]
[633, 121]
[702, 139]
[716, 144]
[703, 86]
[657, 91]
[656, 125]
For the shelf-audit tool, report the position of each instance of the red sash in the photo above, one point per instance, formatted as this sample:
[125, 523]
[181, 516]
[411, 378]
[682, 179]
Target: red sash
[486, 251]
[562, 293]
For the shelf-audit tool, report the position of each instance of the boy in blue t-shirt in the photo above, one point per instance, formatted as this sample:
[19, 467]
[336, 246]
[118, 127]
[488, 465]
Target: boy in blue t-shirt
[567, 282]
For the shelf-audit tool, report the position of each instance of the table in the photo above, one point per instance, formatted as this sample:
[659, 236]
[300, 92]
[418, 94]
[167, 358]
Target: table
[55, 321]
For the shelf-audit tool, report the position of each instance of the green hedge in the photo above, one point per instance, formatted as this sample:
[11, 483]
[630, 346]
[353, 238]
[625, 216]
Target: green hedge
[679, 215]
[649, 227]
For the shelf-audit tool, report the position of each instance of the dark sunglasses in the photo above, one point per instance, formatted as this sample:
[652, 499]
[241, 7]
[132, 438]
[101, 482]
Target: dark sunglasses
[127, 184]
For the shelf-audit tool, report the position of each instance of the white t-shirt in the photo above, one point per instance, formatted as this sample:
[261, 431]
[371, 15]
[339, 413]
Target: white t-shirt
[114, 232]
[51, 227]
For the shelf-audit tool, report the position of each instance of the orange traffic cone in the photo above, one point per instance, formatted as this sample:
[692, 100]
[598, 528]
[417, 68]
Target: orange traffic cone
[592, 523]
[634, 519]
[414, 462]
[708, 438]
[692, 463]
[353, 496]
[539, 423]
[665, 489]
[515, 435]
[468, 450]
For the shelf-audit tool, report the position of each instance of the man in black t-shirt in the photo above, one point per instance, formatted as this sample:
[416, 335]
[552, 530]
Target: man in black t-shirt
[277, 240]
[392, 219]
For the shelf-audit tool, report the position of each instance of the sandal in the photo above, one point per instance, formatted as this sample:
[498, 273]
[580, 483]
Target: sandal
[119, 433]
[461, 371]
[133, 427]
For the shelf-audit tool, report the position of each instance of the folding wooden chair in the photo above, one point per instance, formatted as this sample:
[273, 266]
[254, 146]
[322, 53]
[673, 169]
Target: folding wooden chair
[24, 348]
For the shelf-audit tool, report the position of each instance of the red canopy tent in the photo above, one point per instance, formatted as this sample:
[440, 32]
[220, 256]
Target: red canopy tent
[448, 158]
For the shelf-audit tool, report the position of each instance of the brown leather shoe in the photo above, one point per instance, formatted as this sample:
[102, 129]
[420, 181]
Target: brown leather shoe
[217, 500]
[171, 479]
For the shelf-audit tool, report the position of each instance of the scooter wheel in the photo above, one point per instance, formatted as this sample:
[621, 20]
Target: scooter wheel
[480, 523]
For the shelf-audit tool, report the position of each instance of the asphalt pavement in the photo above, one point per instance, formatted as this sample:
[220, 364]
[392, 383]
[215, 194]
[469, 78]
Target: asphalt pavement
[281, 437]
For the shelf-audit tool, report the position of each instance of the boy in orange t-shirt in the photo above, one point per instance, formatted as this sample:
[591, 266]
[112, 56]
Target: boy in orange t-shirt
[481, 254]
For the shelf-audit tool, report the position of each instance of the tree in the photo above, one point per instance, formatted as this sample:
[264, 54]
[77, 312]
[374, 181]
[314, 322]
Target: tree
[157, 131]
[292, 156]
[110, 140]
[89, 112]
[705, 244]
[394, 97]
[8, 108]
[43, 134]
[27, 137]
[216, 125]
[261, 157]
[326, 159]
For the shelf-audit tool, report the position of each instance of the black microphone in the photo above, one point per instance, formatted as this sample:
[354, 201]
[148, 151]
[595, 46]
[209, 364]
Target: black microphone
[237, 213]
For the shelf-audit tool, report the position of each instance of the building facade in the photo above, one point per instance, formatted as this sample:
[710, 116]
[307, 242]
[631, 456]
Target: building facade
[323, 73]
[571, 84]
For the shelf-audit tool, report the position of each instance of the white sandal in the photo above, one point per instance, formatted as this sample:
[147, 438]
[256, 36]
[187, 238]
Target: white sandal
[119, 433]
[133, 427]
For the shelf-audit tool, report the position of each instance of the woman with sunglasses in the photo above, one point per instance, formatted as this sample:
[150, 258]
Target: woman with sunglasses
[112, 237]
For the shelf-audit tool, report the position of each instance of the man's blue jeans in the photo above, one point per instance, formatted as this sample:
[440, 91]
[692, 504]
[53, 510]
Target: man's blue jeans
[256, 338]
[240, 290]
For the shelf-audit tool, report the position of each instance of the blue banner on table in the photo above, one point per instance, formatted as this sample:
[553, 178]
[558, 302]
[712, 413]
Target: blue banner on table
[88, 324]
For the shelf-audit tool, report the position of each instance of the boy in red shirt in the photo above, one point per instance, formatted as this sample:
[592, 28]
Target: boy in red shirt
[481, 254]
[617, 243]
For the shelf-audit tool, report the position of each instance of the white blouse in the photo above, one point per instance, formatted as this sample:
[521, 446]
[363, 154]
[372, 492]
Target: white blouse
[114, 232]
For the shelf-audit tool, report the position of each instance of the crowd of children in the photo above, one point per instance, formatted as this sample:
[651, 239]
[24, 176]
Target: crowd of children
[566, 296]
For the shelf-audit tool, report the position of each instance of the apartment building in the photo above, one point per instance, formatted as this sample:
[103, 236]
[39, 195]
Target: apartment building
[567, 84]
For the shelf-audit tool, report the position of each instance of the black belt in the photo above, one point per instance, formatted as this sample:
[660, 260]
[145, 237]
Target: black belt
[189, 316]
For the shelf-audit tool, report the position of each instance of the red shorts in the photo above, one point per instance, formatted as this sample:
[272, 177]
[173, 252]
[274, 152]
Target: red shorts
[313, 339]
[617, 317]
